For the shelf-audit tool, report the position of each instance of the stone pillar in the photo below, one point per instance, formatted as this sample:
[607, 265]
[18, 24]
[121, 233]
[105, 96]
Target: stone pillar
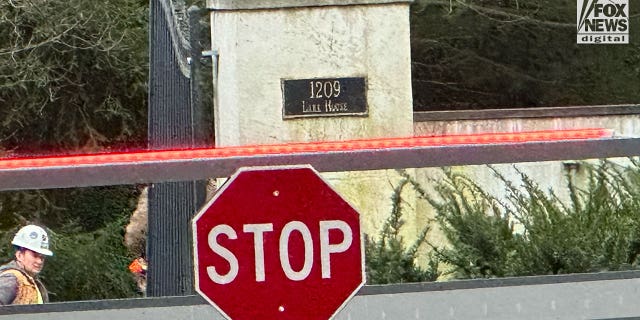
[260, 44]
[315, 70]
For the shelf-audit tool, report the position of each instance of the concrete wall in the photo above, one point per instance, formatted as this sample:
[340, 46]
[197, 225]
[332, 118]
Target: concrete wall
[627, 125]
[548, 174]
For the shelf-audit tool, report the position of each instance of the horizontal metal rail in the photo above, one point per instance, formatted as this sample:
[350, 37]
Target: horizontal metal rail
[610, 295]
[187, 169]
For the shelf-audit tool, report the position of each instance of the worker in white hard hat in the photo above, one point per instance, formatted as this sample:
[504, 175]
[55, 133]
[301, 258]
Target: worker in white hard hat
[19, 283]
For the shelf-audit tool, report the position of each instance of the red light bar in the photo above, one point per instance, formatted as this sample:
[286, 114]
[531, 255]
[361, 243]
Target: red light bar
[311, 147]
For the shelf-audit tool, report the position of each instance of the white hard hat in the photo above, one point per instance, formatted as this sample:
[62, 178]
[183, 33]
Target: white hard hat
[33, 238]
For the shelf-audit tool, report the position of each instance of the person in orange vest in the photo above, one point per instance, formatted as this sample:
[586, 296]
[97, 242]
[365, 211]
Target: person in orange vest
[138, 268]
[19, 283]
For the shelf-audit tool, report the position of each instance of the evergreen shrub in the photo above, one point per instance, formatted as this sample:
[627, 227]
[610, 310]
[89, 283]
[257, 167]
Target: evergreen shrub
[531, 231]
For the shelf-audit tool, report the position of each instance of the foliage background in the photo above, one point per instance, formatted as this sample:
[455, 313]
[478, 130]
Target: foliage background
[72, 75]
[389, 259]
[73, 79]
[528, 231]
[86, 228]
[531, 231]
[479, 54]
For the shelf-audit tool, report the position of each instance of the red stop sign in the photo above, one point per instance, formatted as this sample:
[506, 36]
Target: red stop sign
[278, 243]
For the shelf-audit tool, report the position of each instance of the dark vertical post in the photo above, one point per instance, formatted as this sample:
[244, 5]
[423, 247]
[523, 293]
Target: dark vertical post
[171, 207]
[171, 125]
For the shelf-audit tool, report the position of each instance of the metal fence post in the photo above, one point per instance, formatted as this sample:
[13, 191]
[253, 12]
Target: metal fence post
[173, 123]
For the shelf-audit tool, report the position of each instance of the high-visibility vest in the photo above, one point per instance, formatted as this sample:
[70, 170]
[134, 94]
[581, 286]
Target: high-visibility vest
[27, 291]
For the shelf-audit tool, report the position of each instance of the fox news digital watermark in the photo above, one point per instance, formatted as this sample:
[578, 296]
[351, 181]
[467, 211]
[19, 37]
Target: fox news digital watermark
[603, 21]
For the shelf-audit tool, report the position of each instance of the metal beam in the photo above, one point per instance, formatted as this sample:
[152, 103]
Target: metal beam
[74, 175]
[609, 295]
